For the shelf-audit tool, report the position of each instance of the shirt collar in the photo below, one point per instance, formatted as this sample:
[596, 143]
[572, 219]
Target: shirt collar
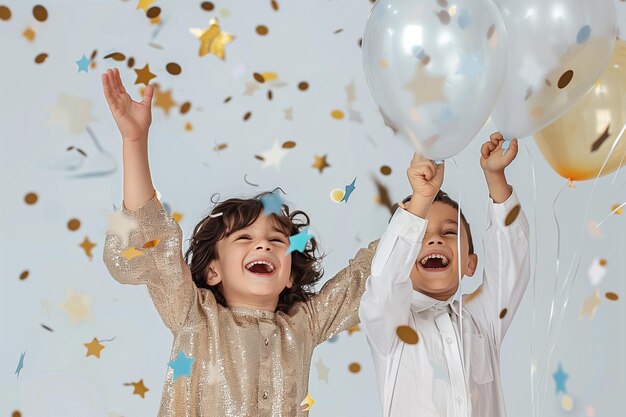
[421, 302]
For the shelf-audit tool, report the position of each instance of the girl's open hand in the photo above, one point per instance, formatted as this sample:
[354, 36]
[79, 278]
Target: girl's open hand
[132, 118]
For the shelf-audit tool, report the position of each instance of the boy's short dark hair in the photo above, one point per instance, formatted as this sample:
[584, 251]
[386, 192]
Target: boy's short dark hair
[238, 213]
[443, 197]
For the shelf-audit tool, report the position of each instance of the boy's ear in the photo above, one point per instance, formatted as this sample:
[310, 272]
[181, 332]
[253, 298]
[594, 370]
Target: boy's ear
[212, 276]
[472, 263]
[290, 283]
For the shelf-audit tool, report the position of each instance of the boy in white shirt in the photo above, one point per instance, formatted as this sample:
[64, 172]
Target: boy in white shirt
[414, 279]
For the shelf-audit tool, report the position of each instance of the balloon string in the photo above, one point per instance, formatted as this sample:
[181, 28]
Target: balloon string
[569, 277]
[533, 281]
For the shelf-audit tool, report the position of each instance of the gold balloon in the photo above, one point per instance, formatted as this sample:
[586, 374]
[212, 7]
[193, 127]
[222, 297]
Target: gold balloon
[578, 143]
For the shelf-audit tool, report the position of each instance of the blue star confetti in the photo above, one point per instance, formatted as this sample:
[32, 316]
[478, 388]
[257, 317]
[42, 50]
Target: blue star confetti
[20, 365]
[298, 242]
[559, 378]
[181, 365]
[349, 188]
[83, 64]
[272, 203]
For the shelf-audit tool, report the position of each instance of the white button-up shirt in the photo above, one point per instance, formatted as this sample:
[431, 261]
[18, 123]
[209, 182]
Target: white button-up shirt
[441, 375]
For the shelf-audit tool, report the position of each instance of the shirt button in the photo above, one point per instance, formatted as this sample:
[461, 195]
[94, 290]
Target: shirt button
[267, 342]
[265, 395]
[449, 340]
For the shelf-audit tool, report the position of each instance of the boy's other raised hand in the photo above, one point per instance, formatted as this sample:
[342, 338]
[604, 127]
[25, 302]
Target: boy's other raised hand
[425, 178]
[132, 118]
[491, 157]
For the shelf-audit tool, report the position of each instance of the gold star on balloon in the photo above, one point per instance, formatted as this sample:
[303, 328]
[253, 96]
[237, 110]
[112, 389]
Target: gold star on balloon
[212, 39]
[307, 403]
[590, 306]
[131, 253]
[354, 329]
[144, 75]
[322, 371]
[76, 306]
[144, 4]
[320, 163]
[94, 348]
[140, 388]
[72, 113]
[87, 246]
[424, 87]
[164, 100]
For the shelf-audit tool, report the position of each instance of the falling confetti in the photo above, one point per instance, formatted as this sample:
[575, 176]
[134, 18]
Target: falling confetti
[140, 388]
[320, 163]
[354, 329]
[560, 379]
[73, 224]
[565, 79]
[24, 275]
[567, 403]
[212, 40]
[503, 313]
[307, 403]
[298, 242]
[40, 13]
[512, 215]
[322, 371]
[86, 245]
[407, 335]
[181, 365]
[354, 367]
[173, 68]
[144, 75]
[590, 306]
[385, 170]
[597, 271]
[20, 364]
[611, 296]
[94, 348]
[336, 195]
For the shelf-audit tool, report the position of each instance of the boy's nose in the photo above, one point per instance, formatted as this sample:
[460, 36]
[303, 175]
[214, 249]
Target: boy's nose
[264, 247]
[435, 241]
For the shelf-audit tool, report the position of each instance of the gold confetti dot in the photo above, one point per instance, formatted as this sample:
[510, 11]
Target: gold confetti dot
[611, 296]
[24, 275]
[510, 218]
[247, 116]
[617, 209]
[383, 63]
[336, 195]
[354, 367]
[39, 59]
[40, 13]
[185, 107]
[173, 68]
[602, 262]
[337, 114]
[16, 414]
[503, 313]
[567, 402]
[270, 95]
[220, 147]
[227, 99]
[407, 335]
[258, 77]
[116, 56]
[73, 224]
[188, 127]
[289, 144]
[31, 198]
[385, 170]
[151, 244]
[29, 34]
[131, 62]
[153, 12]
[360, 42]
[262, 30]
[269, 76]
[275, 5]
[5, 13]
[566, 78]
[259, 157]
[444, 17]
[207, 5]
[303, 86]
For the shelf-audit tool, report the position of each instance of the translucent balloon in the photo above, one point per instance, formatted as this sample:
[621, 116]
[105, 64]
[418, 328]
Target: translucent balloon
[435, 69]
[557, 50]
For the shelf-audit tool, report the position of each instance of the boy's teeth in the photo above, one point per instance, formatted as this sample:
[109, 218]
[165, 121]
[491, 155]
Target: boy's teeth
[270, 266]
[444, 260]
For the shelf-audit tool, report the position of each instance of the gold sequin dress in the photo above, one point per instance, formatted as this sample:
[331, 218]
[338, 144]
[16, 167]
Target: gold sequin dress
[248, 362]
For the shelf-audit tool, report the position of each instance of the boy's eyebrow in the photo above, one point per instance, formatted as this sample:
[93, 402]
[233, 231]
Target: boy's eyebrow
[450, 221]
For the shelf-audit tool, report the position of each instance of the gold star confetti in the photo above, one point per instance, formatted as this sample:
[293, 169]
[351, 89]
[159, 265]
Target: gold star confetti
[212, 39]
[131, 253]
[164, 100]
[320, 163]
[140, 388]
[87, 246]
[354, 329]
[144, 75]
[76, 306]
[144, 5]
[407, 335]
[307, 403]
[94, 348]
[322, 371]
[590, 306]
[424, 88]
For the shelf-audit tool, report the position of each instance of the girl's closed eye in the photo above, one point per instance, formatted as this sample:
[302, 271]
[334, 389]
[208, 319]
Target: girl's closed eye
[244, 237]
[449, 232]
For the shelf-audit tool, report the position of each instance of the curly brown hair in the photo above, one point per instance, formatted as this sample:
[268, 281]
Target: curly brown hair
[234, 214]
[443, 197]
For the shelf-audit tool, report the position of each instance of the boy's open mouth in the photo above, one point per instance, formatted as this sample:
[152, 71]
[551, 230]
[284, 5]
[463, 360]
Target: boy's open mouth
[261, 267]
[434, 262]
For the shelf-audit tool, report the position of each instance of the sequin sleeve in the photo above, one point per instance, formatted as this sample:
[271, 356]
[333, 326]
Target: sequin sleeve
[336, 307]
[153, 256]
